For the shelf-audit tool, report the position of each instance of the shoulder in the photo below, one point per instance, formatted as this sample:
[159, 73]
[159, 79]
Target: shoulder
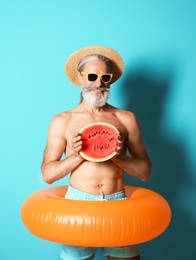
[64, 116]
[60, 118]
[60, 121]
[119, 111]
[125, 116]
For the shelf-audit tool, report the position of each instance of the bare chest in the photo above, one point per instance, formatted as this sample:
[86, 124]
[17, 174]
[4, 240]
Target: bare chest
[80, 120]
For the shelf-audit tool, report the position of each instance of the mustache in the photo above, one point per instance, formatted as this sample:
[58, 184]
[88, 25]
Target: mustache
[97, 88]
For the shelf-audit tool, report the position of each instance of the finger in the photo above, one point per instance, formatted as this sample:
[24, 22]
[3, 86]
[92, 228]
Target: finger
[76, 137]
[118, 147]
[78, 149]
[119, 138]
[76, 140]
[119, 143]
[77, 144]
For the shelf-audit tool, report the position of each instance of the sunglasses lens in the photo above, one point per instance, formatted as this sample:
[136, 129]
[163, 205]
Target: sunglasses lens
[106, 78]
[92, 77]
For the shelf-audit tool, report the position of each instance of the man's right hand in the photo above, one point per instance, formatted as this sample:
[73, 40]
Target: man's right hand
[76, 144]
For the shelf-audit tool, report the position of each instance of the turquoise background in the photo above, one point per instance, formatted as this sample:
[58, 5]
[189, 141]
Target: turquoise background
[157, 40]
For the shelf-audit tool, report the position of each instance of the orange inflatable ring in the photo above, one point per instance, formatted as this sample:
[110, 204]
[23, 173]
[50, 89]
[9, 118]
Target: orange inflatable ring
[142, 217]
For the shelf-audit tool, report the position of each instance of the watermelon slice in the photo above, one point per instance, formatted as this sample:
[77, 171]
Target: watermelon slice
[98, 141]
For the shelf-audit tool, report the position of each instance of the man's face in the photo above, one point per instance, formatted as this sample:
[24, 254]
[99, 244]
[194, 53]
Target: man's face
[95, 92]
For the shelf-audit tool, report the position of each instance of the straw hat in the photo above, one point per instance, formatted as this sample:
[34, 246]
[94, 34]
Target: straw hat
[71, 65]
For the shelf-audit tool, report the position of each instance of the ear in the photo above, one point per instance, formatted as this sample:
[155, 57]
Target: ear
[80, 79]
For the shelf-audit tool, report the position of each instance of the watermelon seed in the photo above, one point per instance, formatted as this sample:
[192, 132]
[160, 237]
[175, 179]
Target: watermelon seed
[100, 147]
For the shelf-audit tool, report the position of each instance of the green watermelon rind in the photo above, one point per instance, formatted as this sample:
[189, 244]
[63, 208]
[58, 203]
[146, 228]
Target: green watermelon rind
[96, 157]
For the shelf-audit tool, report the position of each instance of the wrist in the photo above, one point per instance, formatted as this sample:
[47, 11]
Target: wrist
[79, 157]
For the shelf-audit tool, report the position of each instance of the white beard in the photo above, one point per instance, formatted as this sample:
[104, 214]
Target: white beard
[97, 100]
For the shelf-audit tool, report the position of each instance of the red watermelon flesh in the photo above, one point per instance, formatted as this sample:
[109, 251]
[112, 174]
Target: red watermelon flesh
[98, 141]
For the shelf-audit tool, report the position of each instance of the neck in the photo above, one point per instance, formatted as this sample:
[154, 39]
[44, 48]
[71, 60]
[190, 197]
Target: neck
[92, 109]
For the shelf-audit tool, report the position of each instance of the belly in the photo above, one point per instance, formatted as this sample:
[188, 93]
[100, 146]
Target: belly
[95, 178]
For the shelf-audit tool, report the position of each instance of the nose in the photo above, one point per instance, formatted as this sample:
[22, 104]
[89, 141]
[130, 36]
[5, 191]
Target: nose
[98, 82]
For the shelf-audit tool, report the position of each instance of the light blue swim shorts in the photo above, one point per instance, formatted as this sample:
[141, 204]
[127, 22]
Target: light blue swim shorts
[88, 253]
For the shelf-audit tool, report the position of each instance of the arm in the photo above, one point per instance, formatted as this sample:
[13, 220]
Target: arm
[138, 164]
[53, 168]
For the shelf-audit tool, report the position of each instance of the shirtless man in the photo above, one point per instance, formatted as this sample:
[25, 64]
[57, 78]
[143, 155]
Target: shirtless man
[95, 178]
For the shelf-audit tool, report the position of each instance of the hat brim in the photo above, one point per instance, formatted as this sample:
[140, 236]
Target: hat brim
[71, 65]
